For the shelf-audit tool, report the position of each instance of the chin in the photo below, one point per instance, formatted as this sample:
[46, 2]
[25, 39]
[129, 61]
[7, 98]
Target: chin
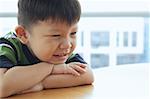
[58, 63]
[55, 63]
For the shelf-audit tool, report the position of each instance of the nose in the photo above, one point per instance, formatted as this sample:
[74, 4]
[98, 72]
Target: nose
[66, 44]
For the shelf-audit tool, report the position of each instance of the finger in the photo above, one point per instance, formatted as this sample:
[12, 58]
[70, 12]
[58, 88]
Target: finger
[78, 68]
[81, 64]
[73, 71]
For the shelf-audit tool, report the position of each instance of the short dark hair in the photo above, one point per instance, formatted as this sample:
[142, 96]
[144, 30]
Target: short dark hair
[32, 11]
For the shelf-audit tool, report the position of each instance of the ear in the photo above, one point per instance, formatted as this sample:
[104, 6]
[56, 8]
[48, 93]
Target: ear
[21, 34]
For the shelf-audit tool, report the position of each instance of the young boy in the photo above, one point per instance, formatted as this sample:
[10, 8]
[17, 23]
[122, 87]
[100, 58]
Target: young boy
[39, 55]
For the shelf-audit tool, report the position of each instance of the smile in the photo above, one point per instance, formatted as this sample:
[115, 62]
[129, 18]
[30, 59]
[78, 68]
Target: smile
[60, 55]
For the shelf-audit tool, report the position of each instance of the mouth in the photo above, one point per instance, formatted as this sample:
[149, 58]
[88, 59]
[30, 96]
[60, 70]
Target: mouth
[60, 58]
[60, 55]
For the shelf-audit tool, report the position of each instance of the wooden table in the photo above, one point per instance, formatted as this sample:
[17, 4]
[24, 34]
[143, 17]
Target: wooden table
[114, 82]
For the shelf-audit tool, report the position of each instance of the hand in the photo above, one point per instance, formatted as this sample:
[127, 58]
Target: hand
[74, 68]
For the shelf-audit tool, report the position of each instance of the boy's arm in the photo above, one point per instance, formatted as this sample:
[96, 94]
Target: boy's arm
[67, 80]
[74, 68]
[35, 88]
[20, 78]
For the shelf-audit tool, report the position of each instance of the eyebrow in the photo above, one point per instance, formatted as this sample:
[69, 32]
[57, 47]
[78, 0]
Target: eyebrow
[59, 30]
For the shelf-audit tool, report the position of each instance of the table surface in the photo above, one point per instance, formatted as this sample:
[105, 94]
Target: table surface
[113, 82]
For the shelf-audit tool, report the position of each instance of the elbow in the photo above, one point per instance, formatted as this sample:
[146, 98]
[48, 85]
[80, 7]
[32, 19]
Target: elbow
[1, 90]
[90, 77]
[90, 80]
[2, 94]
[4, 91]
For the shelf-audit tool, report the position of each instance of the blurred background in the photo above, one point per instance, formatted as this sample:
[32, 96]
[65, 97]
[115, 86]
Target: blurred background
[111, 32]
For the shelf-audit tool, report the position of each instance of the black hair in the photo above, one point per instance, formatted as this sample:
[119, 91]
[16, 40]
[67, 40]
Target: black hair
[32, 11]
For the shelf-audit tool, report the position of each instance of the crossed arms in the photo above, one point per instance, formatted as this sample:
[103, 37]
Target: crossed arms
[37, 77]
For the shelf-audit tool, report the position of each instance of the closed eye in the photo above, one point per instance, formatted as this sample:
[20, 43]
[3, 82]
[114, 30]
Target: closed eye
[73, 33]
[55, 35]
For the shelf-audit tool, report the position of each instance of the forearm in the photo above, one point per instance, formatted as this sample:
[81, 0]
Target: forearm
[35, 88]
[68, 80]
[20, 78]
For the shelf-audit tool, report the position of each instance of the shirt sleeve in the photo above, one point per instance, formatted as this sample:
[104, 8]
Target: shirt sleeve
[7, 54]
[5, 62]
[76, 58]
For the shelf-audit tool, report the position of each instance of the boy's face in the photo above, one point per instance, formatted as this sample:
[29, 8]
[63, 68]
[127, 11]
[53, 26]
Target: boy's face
[52, 43]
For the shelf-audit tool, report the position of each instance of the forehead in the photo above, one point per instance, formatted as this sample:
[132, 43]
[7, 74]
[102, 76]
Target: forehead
[48, 27]
[56, 25]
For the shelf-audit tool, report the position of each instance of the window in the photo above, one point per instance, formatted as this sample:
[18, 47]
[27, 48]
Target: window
[114, 40]
[114, 32]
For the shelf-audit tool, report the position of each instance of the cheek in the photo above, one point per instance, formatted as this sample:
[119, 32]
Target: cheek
[44, 50]
[73, 45]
